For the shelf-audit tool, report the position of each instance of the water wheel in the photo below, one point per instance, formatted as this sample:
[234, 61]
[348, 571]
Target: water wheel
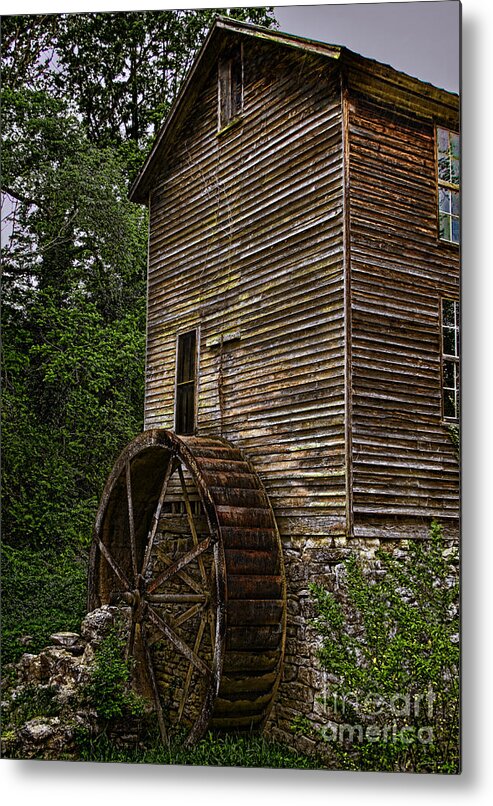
[186, 541]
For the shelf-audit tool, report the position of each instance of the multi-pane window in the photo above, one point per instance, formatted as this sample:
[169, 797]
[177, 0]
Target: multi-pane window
[450, 359]
[448, 157]
[186, 378]
[230, 87]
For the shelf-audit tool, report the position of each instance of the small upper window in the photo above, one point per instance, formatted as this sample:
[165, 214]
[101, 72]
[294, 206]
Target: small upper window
[448, 158]
[450, 358]
[186, 379]
[230, 87]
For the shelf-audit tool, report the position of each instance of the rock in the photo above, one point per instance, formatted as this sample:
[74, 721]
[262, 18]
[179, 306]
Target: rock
[25, 640]
[44, 704]
[65, 639]
[96, 625]
[39, 729]
[29, 668]
[88, 656]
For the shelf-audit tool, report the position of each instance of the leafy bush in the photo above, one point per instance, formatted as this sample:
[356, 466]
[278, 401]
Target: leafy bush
[42, 592]
[33, 701]
[71, 400]
[392, 657]
[109, 688]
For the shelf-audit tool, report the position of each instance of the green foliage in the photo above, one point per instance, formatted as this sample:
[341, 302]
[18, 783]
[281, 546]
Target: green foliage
[73, 323]
[454, 434]
[33, 701]
[73, 227]
[213, 751]
[42, 592]
[72, 398]
[120, 70]
[109, 688]
[391, 650]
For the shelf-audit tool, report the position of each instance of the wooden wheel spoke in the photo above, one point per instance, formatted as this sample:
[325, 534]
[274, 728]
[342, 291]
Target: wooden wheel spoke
[206, 639]
[176, 598]
[154, 685]
[188, 580]
[180, 563]
[131, 524]
[188, 614]
[212, 628]
[212, 631]
[113, 565]
[191, 522]
[188, 679]
[177, 642]
[157, 513]
[129, 649]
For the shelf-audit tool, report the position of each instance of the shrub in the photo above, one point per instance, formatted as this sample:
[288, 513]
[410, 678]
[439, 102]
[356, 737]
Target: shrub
[392, 657]
[42, 592]
[109, 689]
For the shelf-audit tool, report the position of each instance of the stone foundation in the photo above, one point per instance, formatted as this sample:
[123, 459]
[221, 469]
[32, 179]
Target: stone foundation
[301, 691]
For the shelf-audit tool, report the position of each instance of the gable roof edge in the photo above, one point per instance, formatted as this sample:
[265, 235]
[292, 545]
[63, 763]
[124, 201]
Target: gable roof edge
[397, 83]
[139, 188]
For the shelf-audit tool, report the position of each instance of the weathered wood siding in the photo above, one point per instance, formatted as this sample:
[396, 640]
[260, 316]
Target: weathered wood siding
[404, 469]
[246, 235]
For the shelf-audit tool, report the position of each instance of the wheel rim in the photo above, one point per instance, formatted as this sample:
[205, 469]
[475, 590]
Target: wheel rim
[160, 559]
[186, 542]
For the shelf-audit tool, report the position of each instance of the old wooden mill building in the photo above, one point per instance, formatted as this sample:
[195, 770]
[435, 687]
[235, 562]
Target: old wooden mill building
[302, 366]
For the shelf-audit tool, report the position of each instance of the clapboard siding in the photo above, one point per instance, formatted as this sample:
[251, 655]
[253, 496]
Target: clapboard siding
[332, 386]
[403, 461]
[246, 235]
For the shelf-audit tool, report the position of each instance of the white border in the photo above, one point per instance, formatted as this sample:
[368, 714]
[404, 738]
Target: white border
[78, 784]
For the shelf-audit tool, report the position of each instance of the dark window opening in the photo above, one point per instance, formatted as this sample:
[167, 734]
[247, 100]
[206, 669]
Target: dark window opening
[179, 508]
[186, 374]
[230, 87]
[450, 358]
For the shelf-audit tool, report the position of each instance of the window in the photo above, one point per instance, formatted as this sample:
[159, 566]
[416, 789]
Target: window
[450, 358]
[230, 87]
[448, 159]
[186, 375]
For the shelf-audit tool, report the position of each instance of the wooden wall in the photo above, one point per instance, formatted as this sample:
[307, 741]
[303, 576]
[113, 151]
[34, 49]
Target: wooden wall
[246, 236]
[404, 469]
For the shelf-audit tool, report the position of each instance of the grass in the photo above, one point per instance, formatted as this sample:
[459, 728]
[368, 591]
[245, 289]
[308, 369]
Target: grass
[229, 750]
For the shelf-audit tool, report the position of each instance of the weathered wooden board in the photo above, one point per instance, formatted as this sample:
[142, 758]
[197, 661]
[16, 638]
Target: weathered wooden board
[306, 236]
[246, 235]
[403, 461]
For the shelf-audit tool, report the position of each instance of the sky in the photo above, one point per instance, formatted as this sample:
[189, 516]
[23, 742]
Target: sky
[420, 38]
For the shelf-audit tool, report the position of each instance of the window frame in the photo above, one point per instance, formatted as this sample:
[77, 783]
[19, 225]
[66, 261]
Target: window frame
[450, 186]
[191, 382]
[229, 112]
[453, 359]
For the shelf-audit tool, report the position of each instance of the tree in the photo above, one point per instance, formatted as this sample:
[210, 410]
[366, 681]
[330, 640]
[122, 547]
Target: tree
[121, 70]
[73, 321]
[81, 96]
[72, 225]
